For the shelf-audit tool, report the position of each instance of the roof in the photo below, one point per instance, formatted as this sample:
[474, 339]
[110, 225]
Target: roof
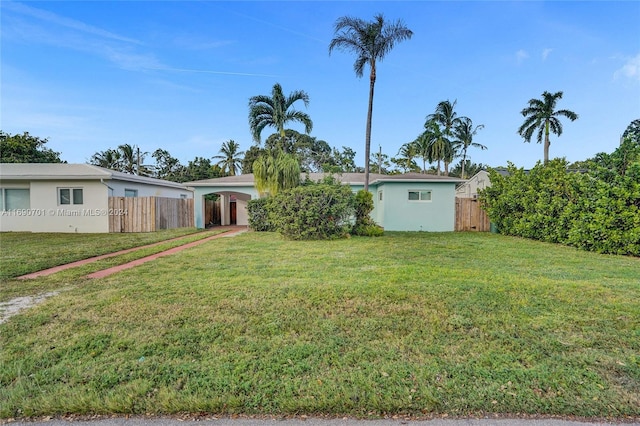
[348, 178]
[63, 171]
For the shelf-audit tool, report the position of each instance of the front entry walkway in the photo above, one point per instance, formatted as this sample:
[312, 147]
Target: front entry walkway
[232, 230]
[106, 272]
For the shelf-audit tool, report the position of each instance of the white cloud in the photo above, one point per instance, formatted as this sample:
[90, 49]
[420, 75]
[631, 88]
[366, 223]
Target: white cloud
[631, 69]
[545, 53]
[65, 22]
[521, 55]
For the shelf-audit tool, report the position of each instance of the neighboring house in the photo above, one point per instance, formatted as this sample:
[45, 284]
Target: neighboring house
[477, 182]
[407, 202]
[470, 188]
[70, 197]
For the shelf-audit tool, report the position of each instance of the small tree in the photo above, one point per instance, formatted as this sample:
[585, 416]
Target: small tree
[365, 226]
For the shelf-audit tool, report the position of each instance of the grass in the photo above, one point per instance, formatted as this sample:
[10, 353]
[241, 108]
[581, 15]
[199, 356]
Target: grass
[25, 252]
[414, 324]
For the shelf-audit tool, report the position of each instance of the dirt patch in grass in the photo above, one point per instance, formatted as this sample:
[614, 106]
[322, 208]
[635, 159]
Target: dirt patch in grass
[18, 304]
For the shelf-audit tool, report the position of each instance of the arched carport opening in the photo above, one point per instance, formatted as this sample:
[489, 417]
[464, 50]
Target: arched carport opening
[229, 209]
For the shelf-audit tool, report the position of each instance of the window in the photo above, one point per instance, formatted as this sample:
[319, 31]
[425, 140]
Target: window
[419, 195]
[14, 198]
[130, 192]
[379, 195]
[70, 196]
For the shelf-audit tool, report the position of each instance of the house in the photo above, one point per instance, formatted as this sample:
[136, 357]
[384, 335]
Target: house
[407, 202]
[477, 182]
[70, 197]
[470, 188]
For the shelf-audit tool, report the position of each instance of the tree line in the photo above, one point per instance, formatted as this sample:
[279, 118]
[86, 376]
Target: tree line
[444, 138]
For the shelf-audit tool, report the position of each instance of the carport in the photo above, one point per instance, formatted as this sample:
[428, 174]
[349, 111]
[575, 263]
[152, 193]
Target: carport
[234, 191]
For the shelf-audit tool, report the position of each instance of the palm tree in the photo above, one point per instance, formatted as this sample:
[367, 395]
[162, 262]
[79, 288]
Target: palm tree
[405, 157]
[131, 160]
[370, 41]
[541, 115]
[275, 111]
[421, 148]
[109, 159]
[446, 119]
[438, 146]
[230, 159]
[463, 134]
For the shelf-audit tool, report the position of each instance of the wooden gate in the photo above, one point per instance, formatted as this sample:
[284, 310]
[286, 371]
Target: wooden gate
[212, 212]
[470, 216]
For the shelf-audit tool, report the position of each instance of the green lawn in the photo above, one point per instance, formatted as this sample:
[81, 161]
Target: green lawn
[25, 252]
[416, 324]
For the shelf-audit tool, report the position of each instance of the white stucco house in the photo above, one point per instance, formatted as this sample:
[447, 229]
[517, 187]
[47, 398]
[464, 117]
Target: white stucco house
[70, 197]
[406, 202]
[470, 188]
[477, 182]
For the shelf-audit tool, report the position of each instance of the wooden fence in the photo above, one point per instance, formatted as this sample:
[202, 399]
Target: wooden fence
[148, 214]
[470, 217]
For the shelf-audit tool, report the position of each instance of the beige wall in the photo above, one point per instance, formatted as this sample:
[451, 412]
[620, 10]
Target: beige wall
[45, 214]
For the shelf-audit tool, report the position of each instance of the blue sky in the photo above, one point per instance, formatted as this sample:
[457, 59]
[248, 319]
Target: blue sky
[178, 75]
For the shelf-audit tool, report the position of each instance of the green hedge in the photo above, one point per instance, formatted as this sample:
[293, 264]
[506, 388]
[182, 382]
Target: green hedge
[597, 210]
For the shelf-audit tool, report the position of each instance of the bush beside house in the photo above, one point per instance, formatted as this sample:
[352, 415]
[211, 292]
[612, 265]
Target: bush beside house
[313, 211]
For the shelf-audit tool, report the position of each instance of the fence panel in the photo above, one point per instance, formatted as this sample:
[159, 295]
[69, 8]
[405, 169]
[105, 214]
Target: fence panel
[148, 214]
[173, 213]
[470, 216]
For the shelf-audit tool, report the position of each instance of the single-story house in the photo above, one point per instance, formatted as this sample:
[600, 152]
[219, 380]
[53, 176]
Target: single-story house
[70, 197]
[406, 202]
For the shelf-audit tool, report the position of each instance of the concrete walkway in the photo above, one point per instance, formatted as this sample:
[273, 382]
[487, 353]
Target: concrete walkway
[232, 230]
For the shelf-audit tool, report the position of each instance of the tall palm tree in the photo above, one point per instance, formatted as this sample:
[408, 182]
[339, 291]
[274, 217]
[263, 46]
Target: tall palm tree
[463, 134]
[275, 111]
[446, 119]
[541, 115]
[370, 41]
[230, 160]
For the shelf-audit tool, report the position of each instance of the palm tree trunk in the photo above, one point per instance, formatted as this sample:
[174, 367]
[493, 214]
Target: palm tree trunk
[367, 143]
[464, 160]
[546, 142]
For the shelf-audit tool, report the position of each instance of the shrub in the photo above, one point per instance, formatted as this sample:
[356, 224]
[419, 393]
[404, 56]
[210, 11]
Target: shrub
[314, 211]
[259, 213]
[597, 211]
[365, 226]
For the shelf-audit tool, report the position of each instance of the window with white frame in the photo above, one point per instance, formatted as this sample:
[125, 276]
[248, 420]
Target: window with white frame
[379, 195]
[130, 192]
[67, 196]
[14, 198]
[424, 195]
